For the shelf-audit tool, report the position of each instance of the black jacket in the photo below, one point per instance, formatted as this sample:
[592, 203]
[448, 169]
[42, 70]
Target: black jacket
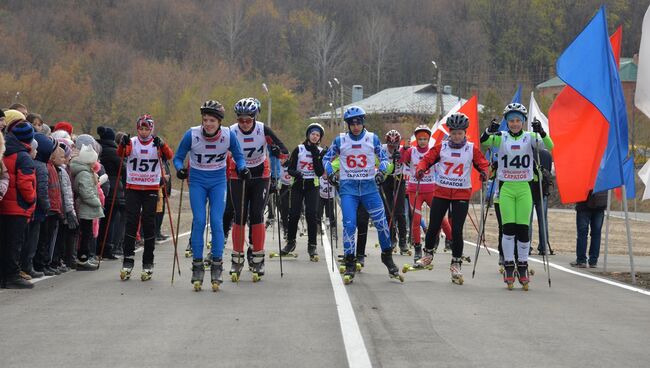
[111, 162]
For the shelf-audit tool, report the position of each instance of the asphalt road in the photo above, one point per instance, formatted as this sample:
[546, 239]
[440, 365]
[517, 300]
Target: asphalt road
[92, 319]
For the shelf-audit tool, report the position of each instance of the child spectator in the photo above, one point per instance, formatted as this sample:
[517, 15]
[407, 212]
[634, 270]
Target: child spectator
[17, 204]
[4, 174]
[88, 204]
[68, 229]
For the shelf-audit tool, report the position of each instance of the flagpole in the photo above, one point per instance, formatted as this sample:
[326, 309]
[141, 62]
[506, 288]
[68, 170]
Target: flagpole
[629, 236]
[609, 206]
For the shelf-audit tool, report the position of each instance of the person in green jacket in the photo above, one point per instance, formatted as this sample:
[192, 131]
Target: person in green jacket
[515, 171]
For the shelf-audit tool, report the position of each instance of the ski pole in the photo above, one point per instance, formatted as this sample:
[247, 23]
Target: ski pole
[415, 201]
[110, 211]
[330, 205]
[277, 210]
[242, 221]
[169, 214]
[545, 259]
[178, 224]
[480, 235]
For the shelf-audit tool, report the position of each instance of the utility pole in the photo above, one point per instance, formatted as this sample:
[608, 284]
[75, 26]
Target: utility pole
[438, 91]
[341, 95]
[268, 95]
[332, 108]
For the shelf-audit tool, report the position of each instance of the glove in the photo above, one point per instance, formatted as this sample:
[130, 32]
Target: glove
[379, 177]
[103, 179]
[396, 155]
[158, 142]
[334, 179]
[126, 140]
[275, 150]
[537, 128]
[419, 175]
[244, 174]
[72, 221]
[494, 127]
[484, 175]
[182, 174]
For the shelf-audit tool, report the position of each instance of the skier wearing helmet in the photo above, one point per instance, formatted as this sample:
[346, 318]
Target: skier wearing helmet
[208, 145]
[305, 166]
[250, 187]
[357, 150]
[395, 190]
[452, 160]
[514, 173]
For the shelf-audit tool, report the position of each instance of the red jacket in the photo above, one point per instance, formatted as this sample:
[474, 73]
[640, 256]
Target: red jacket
[164, 152]
[54, 190]
[20, 199]
[433, 156]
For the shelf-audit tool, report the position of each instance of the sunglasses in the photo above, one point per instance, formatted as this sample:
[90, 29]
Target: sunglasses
[245, 119]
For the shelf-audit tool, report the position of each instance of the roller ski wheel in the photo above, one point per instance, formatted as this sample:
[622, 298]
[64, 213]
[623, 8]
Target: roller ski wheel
[416, 267]
[396, 276]
[258, 266]
[405, 252]
[147, 272]
[347, 279]
[198, 271]
[342, 268]
[501, 269]
[376, 245]
[256, 277]
[188, 251]
[197, 285]
[207, 262]
[393, 271]
[349, 269]
[522, 275]
[288, 255]
[314, 258]
[127, 268]
[209, 245]
[234, 277]
[215, 274]
[531, 271]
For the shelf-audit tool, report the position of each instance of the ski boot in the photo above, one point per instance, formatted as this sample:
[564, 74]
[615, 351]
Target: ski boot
[249, 258]
[236, 265]
[403, 248]
[455, 267]
[418, 252]
[258, 266]
[188, 250]
[349, 269]
[198, 271]
[361, 262]
[447, 245]
[423, 263]
[147, 272]
[393, 271]
[436, 243]
[509, 273]
[127, 268]
[287, 251]
[207, 261]
[522, 274]
[215, 274]
[313, 254]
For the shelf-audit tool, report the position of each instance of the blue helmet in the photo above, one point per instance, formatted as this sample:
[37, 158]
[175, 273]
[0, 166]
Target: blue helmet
[247, 106]
[354, 112]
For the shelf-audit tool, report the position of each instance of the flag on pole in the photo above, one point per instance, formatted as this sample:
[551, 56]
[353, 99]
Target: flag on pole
[534, 112]
[585, 113]
[438, 129]
[644, 174]
[470, 108]
[642, 94]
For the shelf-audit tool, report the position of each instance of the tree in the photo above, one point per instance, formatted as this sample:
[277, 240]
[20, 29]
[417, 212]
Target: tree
[229, 28]
[325, 53]
[379, 34]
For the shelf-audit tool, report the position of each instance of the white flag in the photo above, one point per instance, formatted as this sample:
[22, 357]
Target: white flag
[534, 112]
[440, 124]
[642, 94]
[644, 174]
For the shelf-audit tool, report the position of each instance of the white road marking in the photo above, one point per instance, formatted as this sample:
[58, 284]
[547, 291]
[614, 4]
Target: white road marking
[585, 275]
[355, 348]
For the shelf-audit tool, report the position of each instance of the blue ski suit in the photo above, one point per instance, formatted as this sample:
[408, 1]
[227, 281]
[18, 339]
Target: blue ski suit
[364, 192]
[208, 183]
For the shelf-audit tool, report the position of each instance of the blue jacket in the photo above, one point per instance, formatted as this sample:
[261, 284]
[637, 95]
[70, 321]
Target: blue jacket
[356, 187]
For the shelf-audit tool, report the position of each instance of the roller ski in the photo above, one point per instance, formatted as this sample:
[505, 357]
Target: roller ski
[188, 250]
[348, 269]
[215, 274]
[198, 271]
[509, 274]
[209, 244]
[455, 269]
[127, 268]
[423, 263]
[236, 265]
[501, 269]
[147, 272]
[393, 271]
[313, 254]
[207, 262]
[258, 266]
[287, 251]
[417, 254]
[522, 275]
[404, 251]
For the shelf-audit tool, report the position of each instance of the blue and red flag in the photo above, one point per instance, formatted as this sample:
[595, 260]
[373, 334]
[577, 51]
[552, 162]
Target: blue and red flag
[589, 109]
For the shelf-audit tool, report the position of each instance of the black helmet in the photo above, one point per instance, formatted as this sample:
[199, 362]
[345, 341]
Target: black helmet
[457, 121]
[213, 107]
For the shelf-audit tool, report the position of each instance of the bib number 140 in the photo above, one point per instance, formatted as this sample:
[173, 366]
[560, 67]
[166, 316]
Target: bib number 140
[517, 162]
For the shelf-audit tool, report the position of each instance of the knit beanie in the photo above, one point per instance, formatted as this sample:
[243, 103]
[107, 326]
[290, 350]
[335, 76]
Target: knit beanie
[64, 125]
[12, 117]
[106, 133]
[87, 155]
[23, 131]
